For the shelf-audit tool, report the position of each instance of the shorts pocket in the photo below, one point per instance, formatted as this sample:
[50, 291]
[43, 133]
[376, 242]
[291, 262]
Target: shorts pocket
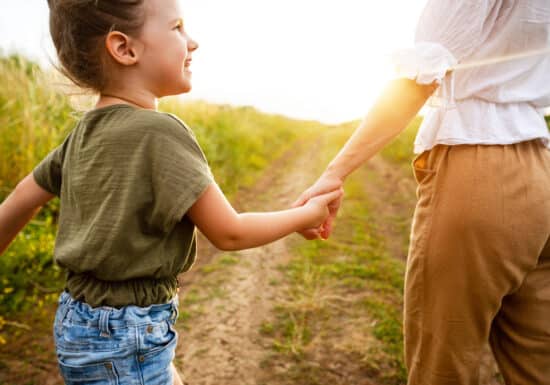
[91, 374]
[158, 336]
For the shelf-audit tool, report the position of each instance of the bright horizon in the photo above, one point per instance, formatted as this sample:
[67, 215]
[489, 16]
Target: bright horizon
[323, 60]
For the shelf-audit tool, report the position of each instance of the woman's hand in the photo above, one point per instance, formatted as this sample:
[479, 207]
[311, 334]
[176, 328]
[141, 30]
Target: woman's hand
[326, 183]
[321, 205]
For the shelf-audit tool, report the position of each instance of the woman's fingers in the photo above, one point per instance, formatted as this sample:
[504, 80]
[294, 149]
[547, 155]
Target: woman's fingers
[323, 185]
[333, 208]
[327, 227]
[310, 234]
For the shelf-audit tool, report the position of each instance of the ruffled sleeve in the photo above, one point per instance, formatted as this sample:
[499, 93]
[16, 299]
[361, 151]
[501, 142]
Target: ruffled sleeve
[448, 33]
[426, 62]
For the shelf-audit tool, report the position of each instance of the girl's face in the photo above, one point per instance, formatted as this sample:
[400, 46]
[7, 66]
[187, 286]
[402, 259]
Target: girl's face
[167, 49]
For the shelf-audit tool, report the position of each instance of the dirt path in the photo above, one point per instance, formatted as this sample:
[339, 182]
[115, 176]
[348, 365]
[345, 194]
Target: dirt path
[224, 345]
[392, 193]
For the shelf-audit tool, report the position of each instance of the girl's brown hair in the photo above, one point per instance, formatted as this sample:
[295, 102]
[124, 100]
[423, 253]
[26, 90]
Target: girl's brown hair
[79, 28]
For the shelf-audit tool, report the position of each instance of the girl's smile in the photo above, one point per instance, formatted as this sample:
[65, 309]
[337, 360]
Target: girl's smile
[187, 66]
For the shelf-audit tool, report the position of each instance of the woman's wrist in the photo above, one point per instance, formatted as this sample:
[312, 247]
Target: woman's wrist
[333, 172]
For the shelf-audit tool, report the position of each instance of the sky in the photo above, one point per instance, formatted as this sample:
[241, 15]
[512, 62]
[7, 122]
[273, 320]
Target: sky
[325, 60]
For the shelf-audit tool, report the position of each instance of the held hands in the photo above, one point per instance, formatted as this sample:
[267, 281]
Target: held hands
[319, 206]
[326, 187]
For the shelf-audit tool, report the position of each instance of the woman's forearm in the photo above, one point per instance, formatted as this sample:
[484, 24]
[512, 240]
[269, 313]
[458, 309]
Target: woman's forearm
[397, 105]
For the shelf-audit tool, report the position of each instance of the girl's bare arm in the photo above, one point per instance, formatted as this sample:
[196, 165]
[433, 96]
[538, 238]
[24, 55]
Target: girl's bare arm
[229, 230]
[19, 207]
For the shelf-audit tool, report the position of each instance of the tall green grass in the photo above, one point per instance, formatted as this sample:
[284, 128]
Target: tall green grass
[34, 118]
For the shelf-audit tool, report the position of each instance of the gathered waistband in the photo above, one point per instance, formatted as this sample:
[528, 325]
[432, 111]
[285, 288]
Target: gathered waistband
[140, 291]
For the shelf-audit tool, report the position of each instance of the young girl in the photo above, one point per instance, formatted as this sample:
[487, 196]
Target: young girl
[133, 184]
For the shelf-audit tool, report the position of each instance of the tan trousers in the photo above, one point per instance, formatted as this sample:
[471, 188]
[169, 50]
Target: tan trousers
[479, 264]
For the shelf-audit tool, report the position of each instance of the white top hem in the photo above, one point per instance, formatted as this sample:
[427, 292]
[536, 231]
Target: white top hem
[418, 149]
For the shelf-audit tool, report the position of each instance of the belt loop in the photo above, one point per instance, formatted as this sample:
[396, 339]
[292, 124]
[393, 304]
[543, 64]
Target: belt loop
[104, 323]
[64, 309]
[175, 313]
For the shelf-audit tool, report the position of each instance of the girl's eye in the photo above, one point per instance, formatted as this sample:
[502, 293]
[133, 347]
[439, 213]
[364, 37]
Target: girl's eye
[179, 26]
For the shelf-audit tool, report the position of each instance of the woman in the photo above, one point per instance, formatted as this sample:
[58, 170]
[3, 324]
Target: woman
[479, 260]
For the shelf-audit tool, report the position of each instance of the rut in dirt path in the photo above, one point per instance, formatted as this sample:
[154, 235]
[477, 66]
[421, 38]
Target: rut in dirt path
[223, 344]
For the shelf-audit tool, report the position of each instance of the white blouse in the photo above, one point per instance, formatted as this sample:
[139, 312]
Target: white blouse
[492, 61]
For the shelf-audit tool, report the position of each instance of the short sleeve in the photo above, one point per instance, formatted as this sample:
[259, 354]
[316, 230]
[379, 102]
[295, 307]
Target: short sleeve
[180, 171]
[448, 32]
[47, 173]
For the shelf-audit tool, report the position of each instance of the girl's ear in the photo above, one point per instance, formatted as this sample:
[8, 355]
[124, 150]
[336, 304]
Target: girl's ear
[121, 48]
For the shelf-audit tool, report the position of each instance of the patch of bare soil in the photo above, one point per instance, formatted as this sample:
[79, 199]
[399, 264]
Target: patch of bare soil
[224, 345]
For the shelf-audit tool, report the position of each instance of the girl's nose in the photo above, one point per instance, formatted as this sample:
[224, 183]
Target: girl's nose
[192, 45]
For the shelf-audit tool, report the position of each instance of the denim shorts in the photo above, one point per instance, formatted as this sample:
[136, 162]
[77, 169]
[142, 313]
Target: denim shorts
[109, 346]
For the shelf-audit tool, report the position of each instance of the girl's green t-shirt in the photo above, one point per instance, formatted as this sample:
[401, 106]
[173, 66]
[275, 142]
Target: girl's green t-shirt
[125, 178]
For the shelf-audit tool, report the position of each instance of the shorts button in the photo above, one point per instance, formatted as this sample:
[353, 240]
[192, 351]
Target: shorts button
[149, 329]
[108, 365]
[141, 358]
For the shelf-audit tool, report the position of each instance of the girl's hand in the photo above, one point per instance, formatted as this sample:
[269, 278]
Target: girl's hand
[19, 208]
[321, 207]
[324, 184]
